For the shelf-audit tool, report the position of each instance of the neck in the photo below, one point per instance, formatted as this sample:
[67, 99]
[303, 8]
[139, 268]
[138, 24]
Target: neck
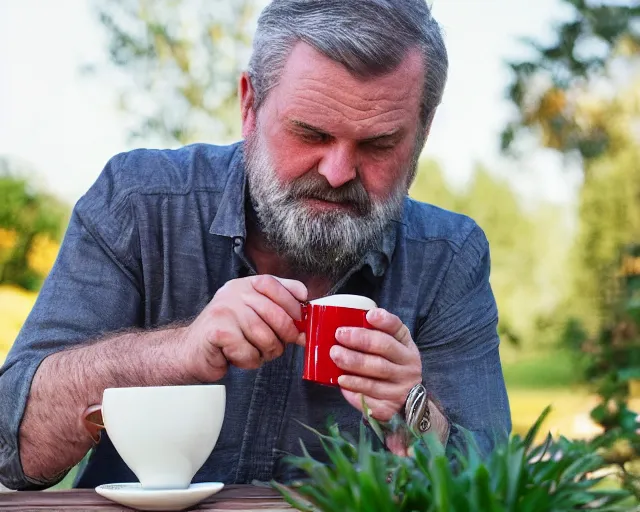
[267, 261]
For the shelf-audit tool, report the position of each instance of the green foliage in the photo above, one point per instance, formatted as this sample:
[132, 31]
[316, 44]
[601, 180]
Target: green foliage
[615, 362]
[549, 90]
[609, 221]
[183, 59]
[581, 95]
[25, 212]
[574, 97]
[518, 476]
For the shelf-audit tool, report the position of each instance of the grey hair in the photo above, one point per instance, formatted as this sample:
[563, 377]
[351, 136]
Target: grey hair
[369, 37]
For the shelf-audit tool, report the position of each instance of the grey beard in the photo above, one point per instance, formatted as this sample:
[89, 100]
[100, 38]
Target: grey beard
[315, 243]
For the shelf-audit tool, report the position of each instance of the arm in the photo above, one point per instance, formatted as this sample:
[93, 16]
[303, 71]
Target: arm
[455, 355]
[52, 373]
[383, 365]
[62, 361]
[458, 344]
[52, 437]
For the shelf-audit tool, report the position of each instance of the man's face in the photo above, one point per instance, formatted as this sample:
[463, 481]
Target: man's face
[329, 157]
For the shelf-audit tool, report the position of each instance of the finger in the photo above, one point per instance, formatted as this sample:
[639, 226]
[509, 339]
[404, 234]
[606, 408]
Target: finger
[387, 322]
[365, 365]
[296, 288]
[379, 409]
[374, 388]
[239, 352]
[373, 342]
[260, 335]
[278, 320]
[396, 444]
[275, 290]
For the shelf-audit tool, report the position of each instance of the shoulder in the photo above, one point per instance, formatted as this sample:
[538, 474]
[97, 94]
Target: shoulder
[170, 171]
[454, 248]
[425, 223]
[198, 167]
[140, 176]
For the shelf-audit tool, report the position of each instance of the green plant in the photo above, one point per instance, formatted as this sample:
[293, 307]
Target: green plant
[615, 362]
[517, 476]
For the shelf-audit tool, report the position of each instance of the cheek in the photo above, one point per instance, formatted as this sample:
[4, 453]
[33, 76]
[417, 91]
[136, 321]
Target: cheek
[381, 175]
[290, 157]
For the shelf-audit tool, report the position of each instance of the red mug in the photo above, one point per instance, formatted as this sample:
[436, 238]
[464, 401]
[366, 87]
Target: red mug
[320, 320]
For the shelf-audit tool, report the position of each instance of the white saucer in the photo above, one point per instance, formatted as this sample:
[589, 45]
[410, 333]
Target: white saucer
[134, 496]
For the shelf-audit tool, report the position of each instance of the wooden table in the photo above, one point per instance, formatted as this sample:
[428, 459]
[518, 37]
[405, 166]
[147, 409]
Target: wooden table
[232, 497]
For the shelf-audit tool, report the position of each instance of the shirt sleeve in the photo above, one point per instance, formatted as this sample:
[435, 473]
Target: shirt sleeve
[458, 342]
[93, 289]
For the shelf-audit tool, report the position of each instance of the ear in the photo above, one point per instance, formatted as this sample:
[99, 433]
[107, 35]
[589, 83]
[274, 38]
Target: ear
[247, 105]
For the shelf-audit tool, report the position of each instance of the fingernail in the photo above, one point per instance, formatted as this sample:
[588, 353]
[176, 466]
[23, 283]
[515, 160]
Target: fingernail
[375, 314]
[334, 352]
[343, 332]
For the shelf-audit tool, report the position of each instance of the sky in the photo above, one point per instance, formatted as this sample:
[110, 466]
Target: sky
[66, 125]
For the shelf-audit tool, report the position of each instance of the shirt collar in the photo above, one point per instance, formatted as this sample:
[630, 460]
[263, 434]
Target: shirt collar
[230, 218]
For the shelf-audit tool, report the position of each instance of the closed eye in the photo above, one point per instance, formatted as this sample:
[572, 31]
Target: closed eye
[309, 134]
[383, 142]
[314, 137]
[380, 145]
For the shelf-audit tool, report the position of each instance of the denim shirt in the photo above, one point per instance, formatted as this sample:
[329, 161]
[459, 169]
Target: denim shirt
[161, 231]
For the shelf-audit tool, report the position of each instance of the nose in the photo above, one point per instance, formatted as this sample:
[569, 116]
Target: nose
[338, 165]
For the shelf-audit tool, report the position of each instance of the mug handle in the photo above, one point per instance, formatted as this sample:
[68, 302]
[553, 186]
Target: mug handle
[301, 324]
[93, 422]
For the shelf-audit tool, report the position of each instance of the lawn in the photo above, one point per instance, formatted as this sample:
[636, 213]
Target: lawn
[548, 369]
[535, 381]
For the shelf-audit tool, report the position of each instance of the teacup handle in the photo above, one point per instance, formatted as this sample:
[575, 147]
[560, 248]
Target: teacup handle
[301, 324]
[93, 422]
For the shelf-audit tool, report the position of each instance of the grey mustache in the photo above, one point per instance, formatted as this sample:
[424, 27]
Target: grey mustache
[352, 193]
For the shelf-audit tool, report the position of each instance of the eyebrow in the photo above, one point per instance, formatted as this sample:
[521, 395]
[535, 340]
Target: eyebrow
[305, 126]
[386, 135]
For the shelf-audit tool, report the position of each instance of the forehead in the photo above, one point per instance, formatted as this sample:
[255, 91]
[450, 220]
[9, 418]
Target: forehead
[314, 85]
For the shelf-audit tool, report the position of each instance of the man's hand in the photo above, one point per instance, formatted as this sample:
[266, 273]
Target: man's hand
[382, 364]
[248, 322]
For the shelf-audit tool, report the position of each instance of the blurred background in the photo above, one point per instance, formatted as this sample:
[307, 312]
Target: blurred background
[538, 139]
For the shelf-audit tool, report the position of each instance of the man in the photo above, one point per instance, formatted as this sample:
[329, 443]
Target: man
[188, 266]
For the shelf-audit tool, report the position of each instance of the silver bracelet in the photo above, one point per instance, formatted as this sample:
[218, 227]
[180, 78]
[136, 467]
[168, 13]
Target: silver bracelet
[417, 414]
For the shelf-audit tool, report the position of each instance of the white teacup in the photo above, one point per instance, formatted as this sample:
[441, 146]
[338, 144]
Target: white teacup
[164, 434]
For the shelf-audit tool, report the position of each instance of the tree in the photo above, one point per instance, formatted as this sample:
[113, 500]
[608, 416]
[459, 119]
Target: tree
[610, 199]
[554, 92]
[579, 96]
[31, 225]
[182, 60]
